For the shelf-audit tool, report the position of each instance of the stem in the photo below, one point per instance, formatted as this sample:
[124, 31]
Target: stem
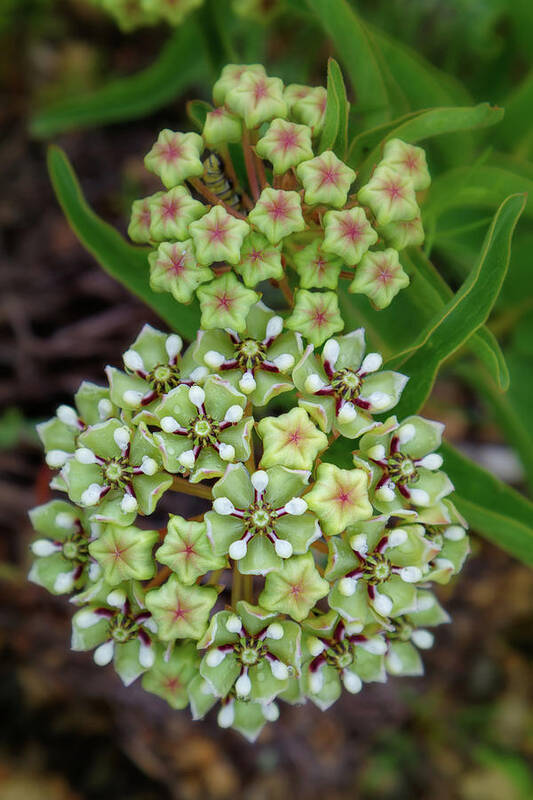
[235, 586]
[248, 588]
[346, 275]
[232, 175]
[160, 578]
[212, 198]
[196, 489]
[250, 168]
[286, 290]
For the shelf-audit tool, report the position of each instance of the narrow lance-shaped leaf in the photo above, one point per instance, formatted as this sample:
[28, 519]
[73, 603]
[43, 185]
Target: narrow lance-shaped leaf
[493, 509]
[357, 54]
[432, 123]
[465, 312]
[504, 412]
[334, 133]
[483, 343]
[124, 262]
[178, 66]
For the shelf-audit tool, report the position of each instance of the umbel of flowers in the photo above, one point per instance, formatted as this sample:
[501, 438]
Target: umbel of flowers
[133, 14]
[303, 576]
[253, 198]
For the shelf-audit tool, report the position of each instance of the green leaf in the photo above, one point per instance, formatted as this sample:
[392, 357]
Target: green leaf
[432, 123]
[497, 512]
[124, 262]
[197, 111]
[478, 186]
[361, 144]
[516, 131]
[357, 54]
[483, 343]
[464, 314]
[512, 417]
[335, 131]
[179, 65]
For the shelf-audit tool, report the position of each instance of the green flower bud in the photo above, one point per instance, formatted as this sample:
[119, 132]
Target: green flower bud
[277, 214]
[339, 497]
[260, 260]
[316, 268]
[390, 195]
[285, 145]
[124, 553]
[180, 611]
[225, 303]
[230, 78]
[316, 315]
[170, 676]
[175, 157]
[380, 276]
[257, 98]
[175, 269]
[291, 440]
[326, 179]
[348, 234]
[221, 127]
[409, 161]
[295, 588]
[171, 214]
[187, 550]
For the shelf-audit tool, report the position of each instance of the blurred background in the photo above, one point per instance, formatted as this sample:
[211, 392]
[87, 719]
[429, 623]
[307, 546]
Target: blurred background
[71, 731]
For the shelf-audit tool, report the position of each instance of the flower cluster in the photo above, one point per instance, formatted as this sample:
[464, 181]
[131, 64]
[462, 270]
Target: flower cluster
[132, 14]
[252, 199]
[331, 566]
[303, 575]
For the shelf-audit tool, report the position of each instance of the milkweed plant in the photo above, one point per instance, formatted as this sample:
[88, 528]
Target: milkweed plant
[301, 578]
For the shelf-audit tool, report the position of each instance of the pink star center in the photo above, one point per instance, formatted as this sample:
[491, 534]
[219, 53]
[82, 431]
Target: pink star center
[296, 590]
[169, 210]
[224, 301]
[287, 140]
[352, 231]
[329, 176]
[294, 437]
[343, 497]
[260, 91]
[188, 551]
[218, 233]
[394, 190]
[172, 684]
[170, 152]
[177, 263]
[321, 265]
[255, 256]
[411, 163]
[319, 316]
[384, 274]
[180, 613]
[145, 217]
[278, 209]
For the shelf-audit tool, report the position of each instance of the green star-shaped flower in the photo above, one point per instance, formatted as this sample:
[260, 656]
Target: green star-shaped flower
[203, 429]
[390, 195]
[409, 161]
[260, 260]
[404, 468]
[285, 145]
[295, 588]
[259, 361]
[315, 315]
[291, 440]
[230, 78]
[316, 268]
[339, 497]
[221, 127]
[376, 566]
[62, 562]
[380, 276]
[277, 214]
[218, 236]
[348, 234]
[174, 269]
[251, 653]
[171, 214]
[153, 367]
[225, 303]
[257, 99]
[175, 157]
[119, 467]
[125, 553]
[342, 388]
[326, 179]
[180, 611]
[260, 518]
[187, 550]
